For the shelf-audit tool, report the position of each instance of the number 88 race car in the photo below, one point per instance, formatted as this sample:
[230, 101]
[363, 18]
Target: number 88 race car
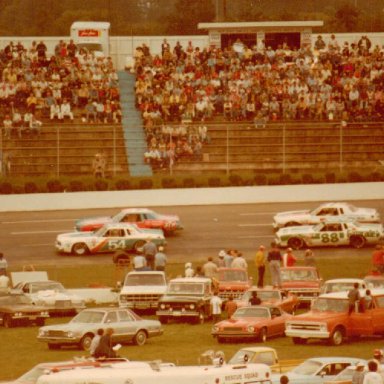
[330, 233]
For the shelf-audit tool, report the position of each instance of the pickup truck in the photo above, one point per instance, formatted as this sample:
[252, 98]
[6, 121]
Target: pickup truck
[264, 355]
[329, 319]
[232, 282]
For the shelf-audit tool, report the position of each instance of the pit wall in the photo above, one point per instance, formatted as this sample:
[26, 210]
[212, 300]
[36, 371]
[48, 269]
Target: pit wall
[195, 196]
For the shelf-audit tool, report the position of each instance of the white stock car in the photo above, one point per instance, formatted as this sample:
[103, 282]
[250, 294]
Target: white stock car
[109, 238]
[329, 234]
[342, 210]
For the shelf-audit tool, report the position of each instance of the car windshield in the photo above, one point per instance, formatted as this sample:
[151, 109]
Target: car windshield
[229, 275]
[374, 282]
[17, 299]
[330, 305]
[88, 317]
[263, 295]
[251, 312]
[186, 288]
[338, 287]
[309, 367]
[143, 279]
[290, 274]
[46, 286]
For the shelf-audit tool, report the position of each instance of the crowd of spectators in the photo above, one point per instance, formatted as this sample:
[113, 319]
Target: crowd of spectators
[71, 83]
[330, 81]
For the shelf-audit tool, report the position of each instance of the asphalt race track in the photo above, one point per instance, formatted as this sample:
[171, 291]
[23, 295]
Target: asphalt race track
[28, 238]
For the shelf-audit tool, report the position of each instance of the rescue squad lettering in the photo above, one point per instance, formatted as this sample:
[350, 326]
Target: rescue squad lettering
[88, 33]
[248, 375]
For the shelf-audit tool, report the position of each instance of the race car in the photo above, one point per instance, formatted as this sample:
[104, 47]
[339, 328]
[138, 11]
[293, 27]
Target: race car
[342, 210]
[330, 233]
[109, 238]
[142, 217]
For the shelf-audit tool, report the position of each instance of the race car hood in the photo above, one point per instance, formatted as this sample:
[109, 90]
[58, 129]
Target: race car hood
[301, 230]
[73, 235]
[93, 220]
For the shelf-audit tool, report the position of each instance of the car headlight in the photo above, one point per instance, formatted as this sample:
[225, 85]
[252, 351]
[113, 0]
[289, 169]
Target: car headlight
[162, 306]
[18, 314]
[215, 329]
[323, 327]
[70, 334]
[192, 306]
[250, 329]
[42, 333]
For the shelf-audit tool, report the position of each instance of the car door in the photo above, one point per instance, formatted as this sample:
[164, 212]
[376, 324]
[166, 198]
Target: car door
[127, 325]
[111, 320]
[114, 239]
[377, 312]
[332, 234]
[277, 322]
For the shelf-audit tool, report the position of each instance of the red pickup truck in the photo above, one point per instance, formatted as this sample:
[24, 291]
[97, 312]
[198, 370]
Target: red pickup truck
[329, 319]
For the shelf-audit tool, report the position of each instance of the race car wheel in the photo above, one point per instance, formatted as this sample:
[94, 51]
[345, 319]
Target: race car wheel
[80, 249]
[138, 246]
[337, 337]
[263, 335]
[8, 321]
[296, 243]
[85, 342]
[299, 340]
[140, 338]
[357, 241]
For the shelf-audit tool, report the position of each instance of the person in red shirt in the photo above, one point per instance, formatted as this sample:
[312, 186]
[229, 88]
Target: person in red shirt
[289, 258]
[378, 258]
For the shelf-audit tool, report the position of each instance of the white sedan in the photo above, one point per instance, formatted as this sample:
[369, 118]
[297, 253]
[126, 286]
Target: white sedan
[341, 210]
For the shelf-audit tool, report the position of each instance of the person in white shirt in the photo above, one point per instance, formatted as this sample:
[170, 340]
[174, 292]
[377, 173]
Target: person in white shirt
[216, 304]
[55, 111]
[95, 341]
[372, 376]
[65, 109]
[189, 272]
[239, 262]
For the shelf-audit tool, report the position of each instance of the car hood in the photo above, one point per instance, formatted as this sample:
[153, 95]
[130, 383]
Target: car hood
[73, 327]
[143, 289]
[24, 308]
[302, 230]
[167, 217]
[180, 298]
[52, 294]
[73, 235]
[242, 322]
[300, 284]
[93, 220]
[316, 316]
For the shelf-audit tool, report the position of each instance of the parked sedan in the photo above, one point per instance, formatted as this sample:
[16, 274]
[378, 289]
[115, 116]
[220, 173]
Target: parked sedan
[271, 296]
[342, 210]
[109, 238]
[127, 326]
[18, 309]
[253, 323]
[142, 217]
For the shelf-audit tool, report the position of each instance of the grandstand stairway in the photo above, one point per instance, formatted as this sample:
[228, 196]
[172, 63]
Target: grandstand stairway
[134, 135]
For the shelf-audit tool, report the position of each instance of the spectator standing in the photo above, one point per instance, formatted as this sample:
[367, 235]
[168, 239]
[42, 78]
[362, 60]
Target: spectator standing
[189, 272]
[260, 266]
[209, 269]
[372, 376]
[99, 165]
[216, 304]
[139, 263]
[228, 258]
[358, 375]
[3, 264]
[230, 307]
[378, 258]
[160, 259]
[95, 341]
[289, 258]
[274, 259]
[149, 252]
[221, 262]
[8, 126]
[309, 258]
[239, 262]
[104, 349]
[353, 297]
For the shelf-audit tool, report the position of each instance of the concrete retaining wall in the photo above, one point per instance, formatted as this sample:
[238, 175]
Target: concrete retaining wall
[196, 196]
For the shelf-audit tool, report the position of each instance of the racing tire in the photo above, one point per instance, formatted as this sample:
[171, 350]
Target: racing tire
[140, 338]
[292, 224]
[296, 243]
[357, 241]
[138, 246]
[85, 342]
[8, 321]
[299, 340]
[263, 335]
[163, 319]
[80, 249]
[337, 337]
[53, 346]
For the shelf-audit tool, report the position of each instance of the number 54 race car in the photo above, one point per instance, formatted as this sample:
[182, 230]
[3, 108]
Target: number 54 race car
[330, 233]
[109, 238]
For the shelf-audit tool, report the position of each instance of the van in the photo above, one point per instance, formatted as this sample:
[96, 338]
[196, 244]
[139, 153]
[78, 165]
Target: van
[92, 36]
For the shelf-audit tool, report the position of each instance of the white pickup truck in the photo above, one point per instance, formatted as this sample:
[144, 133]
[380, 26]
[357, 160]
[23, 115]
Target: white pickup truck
[142, 290]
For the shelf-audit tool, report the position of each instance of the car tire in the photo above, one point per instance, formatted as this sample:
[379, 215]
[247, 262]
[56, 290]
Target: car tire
[337, 337]
[163, 319]
[85, 342]
[299, 340]
[357, 241]
[296, 243]
[263, 335]
[137, 247]
[140, 338]
[8, 321]
[80, 249]
[53, 346]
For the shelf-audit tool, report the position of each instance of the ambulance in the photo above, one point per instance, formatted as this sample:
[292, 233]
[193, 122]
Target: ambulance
[163, 374]
[92, 36]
